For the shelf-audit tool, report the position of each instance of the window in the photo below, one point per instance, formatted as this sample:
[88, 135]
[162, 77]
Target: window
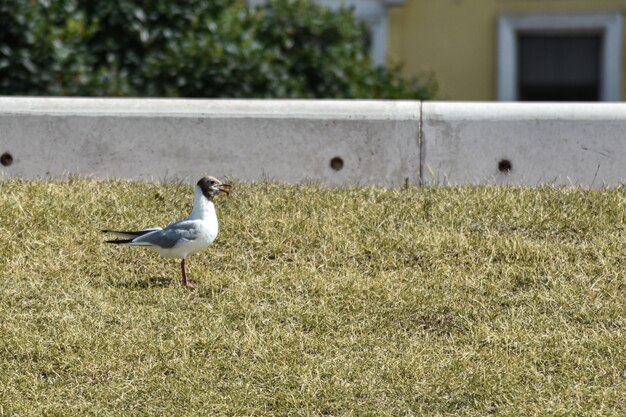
[558, 67]
[560, 57]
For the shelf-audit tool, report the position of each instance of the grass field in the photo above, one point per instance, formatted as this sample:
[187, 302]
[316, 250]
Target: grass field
[315, 301]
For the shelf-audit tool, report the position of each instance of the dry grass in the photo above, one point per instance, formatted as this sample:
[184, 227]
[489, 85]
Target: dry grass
[315, 301]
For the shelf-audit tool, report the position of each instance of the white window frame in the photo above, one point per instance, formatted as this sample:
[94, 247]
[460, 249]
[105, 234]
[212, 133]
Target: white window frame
[608, 24]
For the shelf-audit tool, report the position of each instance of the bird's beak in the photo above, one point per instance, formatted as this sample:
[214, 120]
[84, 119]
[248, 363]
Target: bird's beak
[225, 188]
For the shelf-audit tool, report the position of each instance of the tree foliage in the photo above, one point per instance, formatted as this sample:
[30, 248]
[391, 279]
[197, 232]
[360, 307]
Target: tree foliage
[190, 48]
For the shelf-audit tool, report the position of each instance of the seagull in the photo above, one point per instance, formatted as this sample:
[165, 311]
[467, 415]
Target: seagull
[186, 237]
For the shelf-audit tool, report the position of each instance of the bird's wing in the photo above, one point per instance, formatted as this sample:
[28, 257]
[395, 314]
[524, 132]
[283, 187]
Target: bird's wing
[170, 236]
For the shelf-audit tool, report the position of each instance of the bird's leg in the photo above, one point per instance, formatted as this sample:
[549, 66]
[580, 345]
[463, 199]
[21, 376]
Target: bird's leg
[184, 282]
[182, 267]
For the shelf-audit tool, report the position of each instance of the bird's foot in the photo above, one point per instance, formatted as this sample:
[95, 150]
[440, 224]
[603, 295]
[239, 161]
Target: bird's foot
[189, 284]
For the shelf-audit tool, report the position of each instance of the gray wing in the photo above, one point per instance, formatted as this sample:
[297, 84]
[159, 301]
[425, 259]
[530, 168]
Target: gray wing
[170, 236]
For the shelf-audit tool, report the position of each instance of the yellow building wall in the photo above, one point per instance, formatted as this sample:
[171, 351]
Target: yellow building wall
[456, 40]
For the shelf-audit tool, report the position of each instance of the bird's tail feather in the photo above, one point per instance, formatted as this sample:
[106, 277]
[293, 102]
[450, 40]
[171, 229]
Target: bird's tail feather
[131, 235]
[119, 241]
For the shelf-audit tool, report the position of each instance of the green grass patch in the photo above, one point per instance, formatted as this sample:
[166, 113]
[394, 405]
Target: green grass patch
[315, 301]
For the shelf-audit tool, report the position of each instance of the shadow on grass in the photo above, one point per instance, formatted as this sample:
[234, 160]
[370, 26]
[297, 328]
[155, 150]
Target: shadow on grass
[152, 282]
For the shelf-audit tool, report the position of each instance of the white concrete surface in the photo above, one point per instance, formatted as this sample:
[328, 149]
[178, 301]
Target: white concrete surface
[579, 144]
[159, 139]
[380, 142]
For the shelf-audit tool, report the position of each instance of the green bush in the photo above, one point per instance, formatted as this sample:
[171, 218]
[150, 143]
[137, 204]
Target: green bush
[190, 48]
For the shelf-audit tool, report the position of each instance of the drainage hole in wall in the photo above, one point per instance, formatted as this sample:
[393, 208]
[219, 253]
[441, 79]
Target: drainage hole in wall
[6, 159]
[504, 166]
[336, 163]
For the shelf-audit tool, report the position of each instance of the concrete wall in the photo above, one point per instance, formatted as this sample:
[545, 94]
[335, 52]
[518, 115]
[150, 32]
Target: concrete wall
[332, 142]
[156, 139]
[529, 144]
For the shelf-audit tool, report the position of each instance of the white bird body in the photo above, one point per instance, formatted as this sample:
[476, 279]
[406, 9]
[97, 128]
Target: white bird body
[184, 247]
[186, 237]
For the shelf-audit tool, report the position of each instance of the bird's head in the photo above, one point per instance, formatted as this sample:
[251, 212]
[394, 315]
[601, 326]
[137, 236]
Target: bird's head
[210, 186]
